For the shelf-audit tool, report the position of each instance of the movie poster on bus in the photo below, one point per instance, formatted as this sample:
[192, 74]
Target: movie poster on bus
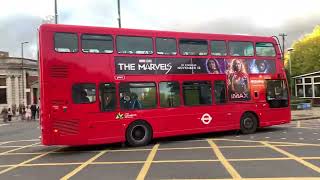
[209, 65]
[255, 66]
[237, 80]
[177, 65]
[134, 65]
[142, 65]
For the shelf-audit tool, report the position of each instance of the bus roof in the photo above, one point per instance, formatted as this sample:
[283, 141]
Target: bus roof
[143, 32]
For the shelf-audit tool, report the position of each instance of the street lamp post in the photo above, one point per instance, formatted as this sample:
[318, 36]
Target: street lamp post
[55, 12]
[119, 15]
[22, 79]
[290, 71]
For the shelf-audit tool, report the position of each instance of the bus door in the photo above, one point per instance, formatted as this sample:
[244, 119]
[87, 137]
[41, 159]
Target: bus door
[277, 98]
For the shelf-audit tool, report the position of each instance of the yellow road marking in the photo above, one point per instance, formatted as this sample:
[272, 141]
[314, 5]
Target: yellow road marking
[24, 162]
[275, 142]
[234, 174]
[6, 142]
[282, 178]
[160, 161]
[16, 149]
[298, 124]
[52, 164]
[11, 154]
[10, 146]
[300, 160]
[305, 128]
[79, 168]
[143, 172]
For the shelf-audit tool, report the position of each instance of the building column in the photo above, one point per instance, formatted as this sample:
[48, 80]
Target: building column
[24, 86]
[9, 91]
[16, 88]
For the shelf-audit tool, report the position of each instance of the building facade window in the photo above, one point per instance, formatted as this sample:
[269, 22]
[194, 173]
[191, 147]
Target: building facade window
[307, 87]
[3, 90]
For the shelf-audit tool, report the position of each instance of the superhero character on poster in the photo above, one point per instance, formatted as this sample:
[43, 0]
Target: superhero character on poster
[260, 66]
[238, 80]
[212, 66]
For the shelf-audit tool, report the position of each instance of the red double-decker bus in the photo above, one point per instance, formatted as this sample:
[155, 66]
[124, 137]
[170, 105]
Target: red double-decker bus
[103, 85]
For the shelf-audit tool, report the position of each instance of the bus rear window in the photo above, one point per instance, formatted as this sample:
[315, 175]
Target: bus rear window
[265, 49]
[191, 47]
[240, 48]
[96, 43]
[134, 45]
[66, 42]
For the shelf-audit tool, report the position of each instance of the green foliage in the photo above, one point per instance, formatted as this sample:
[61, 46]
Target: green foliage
[305, 58]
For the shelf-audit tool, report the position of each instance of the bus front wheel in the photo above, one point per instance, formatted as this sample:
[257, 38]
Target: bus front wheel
[248, 123]
[139, 133]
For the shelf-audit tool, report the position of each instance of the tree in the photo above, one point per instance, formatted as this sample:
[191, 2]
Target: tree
[305, 58]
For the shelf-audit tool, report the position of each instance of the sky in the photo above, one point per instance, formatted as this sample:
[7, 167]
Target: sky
[19, 19]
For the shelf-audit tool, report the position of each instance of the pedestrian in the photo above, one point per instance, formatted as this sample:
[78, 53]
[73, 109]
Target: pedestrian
[33, 111]
[38, 111]
[9, 114]
[4, 114]
[23, 112]
[28, 113]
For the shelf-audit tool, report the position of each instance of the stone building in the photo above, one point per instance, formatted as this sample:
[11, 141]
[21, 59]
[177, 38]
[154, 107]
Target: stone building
[18, 81]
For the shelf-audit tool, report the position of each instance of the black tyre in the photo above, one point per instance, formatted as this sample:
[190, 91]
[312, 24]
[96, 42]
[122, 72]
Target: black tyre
[248, 123]
[139, 133]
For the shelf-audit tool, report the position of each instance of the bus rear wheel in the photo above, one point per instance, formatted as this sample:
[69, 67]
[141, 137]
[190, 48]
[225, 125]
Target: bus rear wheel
[139, 133]
[248, 123]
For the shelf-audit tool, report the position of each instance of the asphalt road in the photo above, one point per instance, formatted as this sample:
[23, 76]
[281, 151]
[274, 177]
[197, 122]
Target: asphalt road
[278, 153]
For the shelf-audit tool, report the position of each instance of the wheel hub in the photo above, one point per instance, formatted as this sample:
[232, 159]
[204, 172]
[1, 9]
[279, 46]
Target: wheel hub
[138, 133]
[248, 123]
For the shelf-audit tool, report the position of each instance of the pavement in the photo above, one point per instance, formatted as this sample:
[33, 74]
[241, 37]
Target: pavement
[284, 152]
[313, 113]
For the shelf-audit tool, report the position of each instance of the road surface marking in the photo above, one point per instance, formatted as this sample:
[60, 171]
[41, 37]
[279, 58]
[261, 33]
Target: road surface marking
[85, 164]
[234, 174]
[298, 159]
[143, 172]
[25, 162]
[298, 124]
[16, 149]
[276, 142]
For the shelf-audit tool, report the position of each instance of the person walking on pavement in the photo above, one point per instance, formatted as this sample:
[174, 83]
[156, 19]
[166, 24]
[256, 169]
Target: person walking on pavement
[4, 114]
[33, 111]
[9, 114]
[28, 113]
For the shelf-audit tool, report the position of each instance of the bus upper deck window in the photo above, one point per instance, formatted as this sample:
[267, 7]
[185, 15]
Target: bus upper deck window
[238, 48]
[134, 45]
[66, 42]
[218, 48]
[166, 46]
[265, 49]
[190, 47]
[96, 43]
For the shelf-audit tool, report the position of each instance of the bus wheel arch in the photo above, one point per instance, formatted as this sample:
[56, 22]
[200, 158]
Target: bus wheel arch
[249, 122]
[139, 133]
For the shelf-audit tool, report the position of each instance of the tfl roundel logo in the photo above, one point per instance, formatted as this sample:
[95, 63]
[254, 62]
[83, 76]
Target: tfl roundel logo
[206, 118]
